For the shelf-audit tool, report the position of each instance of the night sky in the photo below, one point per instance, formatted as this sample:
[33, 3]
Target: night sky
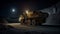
[21, 5]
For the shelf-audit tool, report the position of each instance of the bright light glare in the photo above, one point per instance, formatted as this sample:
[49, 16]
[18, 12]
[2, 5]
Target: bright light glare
[27, 12]
[21, 17]
[13, 10]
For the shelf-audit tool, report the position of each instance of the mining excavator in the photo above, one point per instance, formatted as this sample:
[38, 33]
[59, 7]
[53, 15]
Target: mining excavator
[33, 18]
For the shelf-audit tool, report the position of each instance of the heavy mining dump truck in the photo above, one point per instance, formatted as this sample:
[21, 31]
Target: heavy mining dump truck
[33, 18]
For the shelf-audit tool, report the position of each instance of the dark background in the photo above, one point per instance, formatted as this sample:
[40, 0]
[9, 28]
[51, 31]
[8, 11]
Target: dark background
[20, 5]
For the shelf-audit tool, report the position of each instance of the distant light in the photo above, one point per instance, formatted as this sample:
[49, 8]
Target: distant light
[13, 10]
